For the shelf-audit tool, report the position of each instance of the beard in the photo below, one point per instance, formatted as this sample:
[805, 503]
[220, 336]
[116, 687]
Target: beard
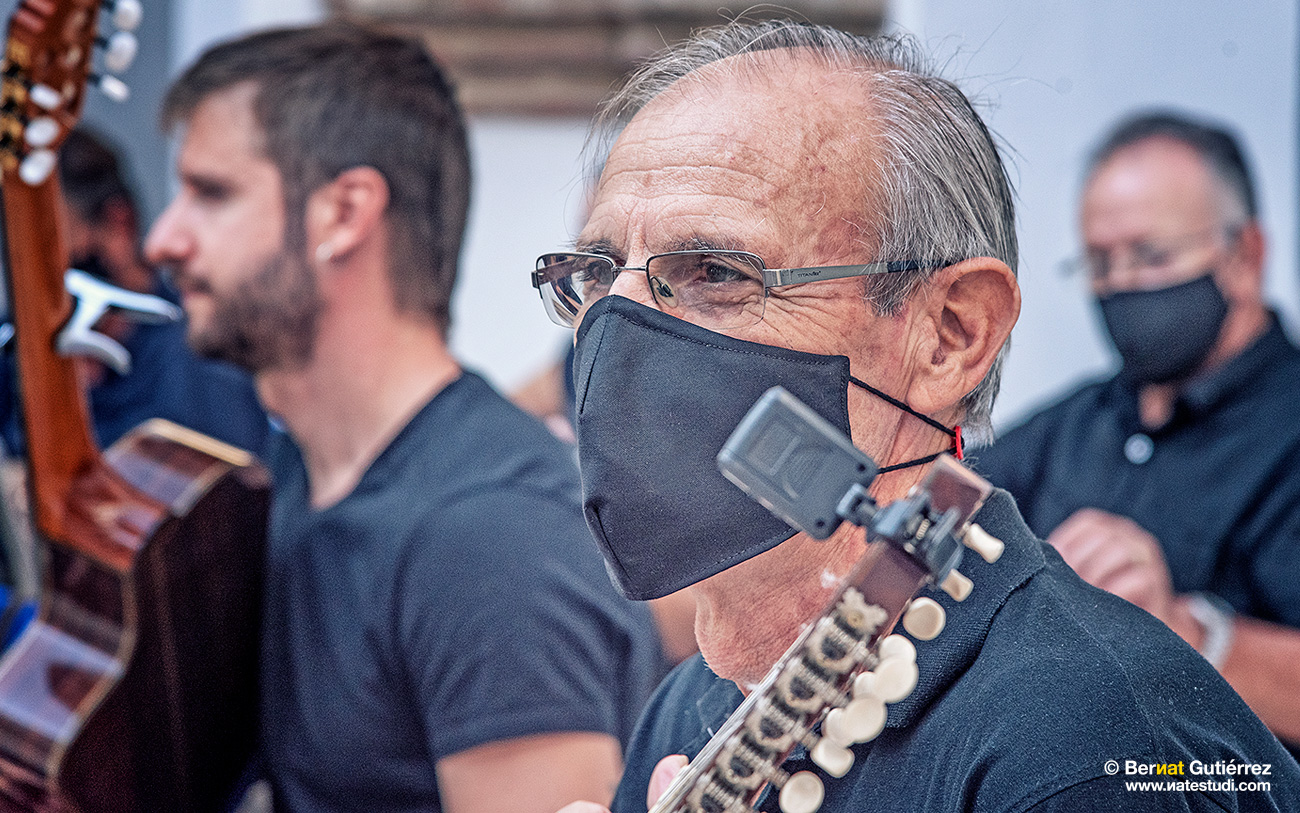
[266, 322]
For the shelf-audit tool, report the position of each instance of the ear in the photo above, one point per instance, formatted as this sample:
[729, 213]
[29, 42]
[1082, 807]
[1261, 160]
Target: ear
[1244, 277]
[965, 316]
[345, 213]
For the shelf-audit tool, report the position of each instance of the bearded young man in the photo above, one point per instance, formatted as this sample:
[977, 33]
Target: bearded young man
[438, 634]
[758, 153]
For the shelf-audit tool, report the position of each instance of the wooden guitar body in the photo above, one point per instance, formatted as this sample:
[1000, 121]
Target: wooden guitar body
[135, 687]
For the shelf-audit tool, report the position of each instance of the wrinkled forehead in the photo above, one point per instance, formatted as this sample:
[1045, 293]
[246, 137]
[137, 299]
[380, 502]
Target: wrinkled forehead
[770, 129]
[791, 100]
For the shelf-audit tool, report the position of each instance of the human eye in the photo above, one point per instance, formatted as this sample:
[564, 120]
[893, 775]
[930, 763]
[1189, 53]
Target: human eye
[713, 270]
[1149, 255]
[592, 275]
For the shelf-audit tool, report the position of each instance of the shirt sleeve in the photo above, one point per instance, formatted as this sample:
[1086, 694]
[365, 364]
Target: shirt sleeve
[509, 627]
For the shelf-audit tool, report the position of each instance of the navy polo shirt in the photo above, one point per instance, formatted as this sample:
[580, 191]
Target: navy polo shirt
[1218, 485]
[1037, 682]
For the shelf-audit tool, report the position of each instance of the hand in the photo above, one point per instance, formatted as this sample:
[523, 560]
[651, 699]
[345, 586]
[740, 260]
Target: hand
[1119, 556]
[660, 779]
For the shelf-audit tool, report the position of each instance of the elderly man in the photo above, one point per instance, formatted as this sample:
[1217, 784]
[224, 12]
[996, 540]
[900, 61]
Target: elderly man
[1174, 484]
[875, 199]
[438, 633]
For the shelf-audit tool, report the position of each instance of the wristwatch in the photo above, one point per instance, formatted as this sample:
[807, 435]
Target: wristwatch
[1216, 619]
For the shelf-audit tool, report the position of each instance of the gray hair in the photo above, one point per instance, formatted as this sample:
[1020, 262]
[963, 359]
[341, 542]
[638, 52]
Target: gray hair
[942, 193]
[1216, 145]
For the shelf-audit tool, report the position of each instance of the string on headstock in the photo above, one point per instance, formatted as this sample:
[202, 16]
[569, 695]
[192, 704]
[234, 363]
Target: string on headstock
[48, 63]
[830, 689]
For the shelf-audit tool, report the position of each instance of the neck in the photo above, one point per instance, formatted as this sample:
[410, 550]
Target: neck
[368, 376]
[1241, 329]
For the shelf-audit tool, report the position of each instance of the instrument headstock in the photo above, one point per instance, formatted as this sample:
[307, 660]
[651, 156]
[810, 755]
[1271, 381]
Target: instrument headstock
[830, 689]
[48, 64]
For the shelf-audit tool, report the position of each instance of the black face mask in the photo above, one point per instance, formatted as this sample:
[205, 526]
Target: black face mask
[657, 398]
[1165, 334]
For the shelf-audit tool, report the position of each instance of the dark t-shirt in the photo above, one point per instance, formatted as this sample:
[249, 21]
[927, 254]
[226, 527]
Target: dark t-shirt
[1219, 485]
[454, 598]
[1037, 682]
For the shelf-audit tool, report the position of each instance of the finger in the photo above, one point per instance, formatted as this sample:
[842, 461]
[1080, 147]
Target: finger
[1110, 562]
[663, 776]
[1078, 544]
[1145, 589]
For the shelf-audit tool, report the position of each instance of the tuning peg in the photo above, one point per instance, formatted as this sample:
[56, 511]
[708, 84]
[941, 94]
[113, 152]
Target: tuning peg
[802, 793]
[988, 546]
[831, 757]
[924, 618]
[126, 14]
[112, 87]
[897, 646]
[957, 585]
[861, 720]
[45, 97]
[119, 50]
[6, 333]
[41, 132]
[895, 679]
[37, 166]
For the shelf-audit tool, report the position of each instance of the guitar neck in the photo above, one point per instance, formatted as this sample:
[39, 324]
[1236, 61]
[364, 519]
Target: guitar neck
[60, 446]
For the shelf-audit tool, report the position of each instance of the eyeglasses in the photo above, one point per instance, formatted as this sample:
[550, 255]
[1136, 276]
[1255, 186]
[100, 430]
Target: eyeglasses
[1158, 262]
[719, 290]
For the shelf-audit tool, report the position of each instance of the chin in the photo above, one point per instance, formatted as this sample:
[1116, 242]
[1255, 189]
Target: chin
[737, 648]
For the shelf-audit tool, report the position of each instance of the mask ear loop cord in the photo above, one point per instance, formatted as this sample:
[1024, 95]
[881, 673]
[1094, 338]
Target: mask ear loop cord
[958, 448]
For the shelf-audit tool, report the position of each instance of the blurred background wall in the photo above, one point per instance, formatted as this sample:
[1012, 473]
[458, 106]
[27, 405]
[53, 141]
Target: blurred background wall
[1049, 75]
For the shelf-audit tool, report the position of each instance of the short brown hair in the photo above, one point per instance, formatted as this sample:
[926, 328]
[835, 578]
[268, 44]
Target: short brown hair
[341, 95]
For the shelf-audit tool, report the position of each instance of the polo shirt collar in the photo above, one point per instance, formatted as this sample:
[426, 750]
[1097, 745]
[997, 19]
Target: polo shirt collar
[1204, 393]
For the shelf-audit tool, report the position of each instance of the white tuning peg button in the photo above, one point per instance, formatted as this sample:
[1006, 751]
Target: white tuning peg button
[988, 546]
[895, 679]
[832, 757]
[114, 88]
[127, 14]
[45, 97]
[36, 167]
[120, 51]
[861, 720]
[957, 585]
[897, 646]
[924, 618]
[801, 793]
[41, 131]
[865, 684]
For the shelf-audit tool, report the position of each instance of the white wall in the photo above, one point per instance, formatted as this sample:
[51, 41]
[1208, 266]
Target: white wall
[1056, 73]
[527, 199]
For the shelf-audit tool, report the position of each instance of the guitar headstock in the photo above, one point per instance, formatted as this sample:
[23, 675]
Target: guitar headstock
[48, 64]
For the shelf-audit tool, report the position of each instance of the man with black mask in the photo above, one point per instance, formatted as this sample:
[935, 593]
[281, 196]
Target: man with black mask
[1174, 484]
[790, 204]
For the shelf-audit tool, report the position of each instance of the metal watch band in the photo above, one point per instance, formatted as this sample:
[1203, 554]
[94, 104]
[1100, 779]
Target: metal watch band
[1216, 619]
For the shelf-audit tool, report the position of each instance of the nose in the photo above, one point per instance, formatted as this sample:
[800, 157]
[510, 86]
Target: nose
[169, 241]
[632, 283]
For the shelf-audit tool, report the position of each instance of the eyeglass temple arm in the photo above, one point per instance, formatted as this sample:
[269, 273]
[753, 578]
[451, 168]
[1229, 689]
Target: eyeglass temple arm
[773, 277]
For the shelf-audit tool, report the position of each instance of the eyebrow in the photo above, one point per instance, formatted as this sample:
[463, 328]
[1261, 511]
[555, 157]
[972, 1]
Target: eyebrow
[607, 248]
[206, 183]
